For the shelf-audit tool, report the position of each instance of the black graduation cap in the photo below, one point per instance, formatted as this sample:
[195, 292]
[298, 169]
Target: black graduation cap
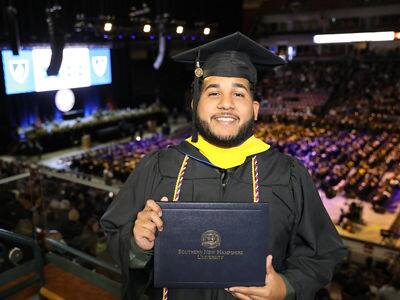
[234, 55]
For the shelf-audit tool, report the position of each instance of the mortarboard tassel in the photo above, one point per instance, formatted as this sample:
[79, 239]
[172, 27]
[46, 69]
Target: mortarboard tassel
[196, 95]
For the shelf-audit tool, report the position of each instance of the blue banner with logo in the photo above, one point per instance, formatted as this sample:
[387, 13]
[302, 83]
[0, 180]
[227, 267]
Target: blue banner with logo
[81, 67]
[18, 72]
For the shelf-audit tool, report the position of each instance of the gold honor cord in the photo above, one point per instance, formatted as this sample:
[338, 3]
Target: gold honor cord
[179, 180]
[178, 186]
[254, 172]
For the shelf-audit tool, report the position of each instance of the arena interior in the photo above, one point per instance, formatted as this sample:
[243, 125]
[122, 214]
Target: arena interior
[87, 88]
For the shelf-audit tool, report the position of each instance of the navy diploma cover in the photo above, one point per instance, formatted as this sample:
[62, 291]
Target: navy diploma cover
[211, 245]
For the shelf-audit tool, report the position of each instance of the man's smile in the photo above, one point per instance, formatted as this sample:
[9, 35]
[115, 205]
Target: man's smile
[225, 118]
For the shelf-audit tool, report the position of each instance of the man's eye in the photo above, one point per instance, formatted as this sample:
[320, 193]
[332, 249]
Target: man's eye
[239, 95]
[213, 94]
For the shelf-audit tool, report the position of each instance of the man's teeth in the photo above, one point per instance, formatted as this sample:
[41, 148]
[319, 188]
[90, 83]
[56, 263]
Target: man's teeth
[226, 119]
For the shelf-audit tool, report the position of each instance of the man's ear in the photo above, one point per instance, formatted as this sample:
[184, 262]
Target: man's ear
[256, 108]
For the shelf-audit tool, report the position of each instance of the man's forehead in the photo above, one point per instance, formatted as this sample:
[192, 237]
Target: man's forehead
[219, 80]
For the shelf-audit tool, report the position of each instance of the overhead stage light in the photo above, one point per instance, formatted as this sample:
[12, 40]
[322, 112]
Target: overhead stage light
[107, 26]
[179, 29]
[147, 28]
[354, 37]
[206, 31]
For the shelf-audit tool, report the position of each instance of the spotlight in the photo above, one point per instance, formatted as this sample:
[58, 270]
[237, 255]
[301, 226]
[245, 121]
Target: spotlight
[206, 31]
[107, 26]
[354, 37]
[147, 28]
[179, 29]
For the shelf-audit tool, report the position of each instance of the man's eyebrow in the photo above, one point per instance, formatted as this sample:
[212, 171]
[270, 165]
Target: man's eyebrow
[212, 85]
[239, 85]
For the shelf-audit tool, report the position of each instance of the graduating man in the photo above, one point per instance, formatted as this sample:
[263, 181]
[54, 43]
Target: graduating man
[224, 162]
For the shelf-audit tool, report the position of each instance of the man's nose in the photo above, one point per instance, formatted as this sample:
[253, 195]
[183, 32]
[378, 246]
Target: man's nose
[226, 102]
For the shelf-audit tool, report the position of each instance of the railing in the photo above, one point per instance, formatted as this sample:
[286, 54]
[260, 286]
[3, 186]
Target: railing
[75, 266]
[360, 250]
[56, 257]
[58, 246]
[14, 178]
[34, 265]
[94, 183]
[37, 188]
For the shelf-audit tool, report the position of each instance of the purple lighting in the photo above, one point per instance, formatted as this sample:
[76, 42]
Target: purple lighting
[184, 37]
[106, 36]
[152, 37]
[169, 37]
[133, 37]
[120, 36]
[193, 37]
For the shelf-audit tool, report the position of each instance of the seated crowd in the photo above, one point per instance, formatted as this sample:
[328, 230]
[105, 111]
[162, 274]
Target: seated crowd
[361, 165]
[364, 166]
[8, 169]
[371, 97]
[299, 88]
[372, 280]
[301, 77]
[117, 161]
[58, 209]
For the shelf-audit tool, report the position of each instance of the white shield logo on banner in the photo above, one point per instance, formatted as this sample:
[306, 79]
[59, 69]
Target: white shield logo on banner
[19, 69]
[99, 64]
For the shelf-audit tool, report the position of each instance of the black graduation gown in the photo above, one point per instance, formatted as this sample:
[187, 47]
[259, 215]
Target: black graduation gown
[304, 243]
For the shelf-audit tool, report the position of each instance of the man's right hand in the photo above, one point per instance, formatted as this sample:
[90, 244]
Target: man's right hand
[148, 221]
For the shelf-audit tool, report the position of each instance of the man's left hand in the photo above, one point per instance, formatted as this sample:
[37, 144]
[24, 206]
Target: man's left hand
[274, 289]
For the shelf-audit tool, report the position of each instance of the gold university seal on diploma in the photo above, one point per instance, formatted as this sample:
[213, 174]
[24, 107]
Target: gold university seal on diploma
[210, 239]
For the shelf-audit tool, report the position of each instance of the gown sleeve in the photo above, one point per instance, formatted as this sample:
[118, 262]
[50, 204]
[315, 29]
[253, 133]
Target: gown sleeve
[117, 221]
[138, 258]
[315, 246]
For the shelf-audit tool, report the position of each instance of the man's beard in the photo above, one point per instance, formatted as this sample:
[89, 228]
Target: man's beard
[245, 131]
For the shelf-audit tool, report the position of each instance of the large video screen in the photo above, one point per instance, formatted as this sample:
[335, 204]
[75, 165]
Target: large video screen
[81, 67]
